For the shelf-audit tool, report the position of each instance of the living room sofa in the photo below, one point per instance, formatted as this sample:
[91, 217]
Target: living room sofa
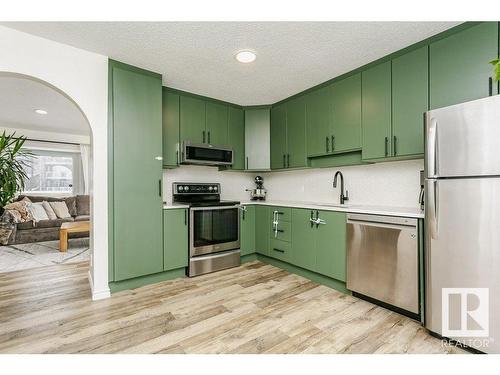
[48, 230]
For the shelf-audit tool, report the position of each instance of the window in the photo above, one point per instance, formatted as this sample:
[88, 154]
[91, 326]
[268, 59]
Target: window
[53, 172]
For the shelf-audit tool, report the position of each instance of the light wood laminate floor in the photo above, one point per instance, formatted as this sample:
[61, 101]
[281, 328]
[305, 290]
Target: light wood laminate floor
[255, 308]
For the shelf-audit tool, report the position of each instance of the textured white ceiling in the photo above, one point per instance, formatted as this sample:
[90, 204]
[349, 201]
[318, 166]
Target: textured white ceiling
[199, 56]
[19, 97]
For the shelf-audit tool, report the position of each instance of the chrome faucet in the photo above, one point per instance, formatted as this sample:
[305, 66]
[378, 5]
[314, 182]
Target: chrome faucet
[343, 197]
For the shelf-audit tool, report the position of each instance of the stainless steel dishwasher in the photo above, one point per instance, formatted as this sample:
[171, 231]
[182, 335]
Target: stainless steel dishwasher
[382, 259]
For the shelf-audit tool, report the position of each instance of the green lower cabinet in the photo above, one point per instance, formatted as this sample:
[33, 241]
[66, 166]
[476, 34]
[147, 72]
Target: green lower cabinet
[262, 230]
[236, 137]
[303, 239]
[175, 239]
[170, 121]
[281, 250]
[331, 245]
[376, 111]
[247, 230]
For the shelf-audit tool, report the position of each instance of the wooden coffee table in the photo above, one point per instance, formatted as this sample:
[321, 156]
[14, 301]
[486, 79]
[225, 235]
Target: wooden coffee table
[71, 227]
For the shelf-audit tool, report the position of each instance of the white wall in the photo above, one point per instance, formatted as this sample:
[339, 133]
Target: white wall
[233, 184]
[45, 135]
[83, 77]
[395, 184]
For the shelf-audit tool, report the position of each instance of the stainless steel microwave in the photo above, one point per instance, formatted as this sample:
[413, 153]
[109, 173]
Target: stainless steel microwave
[205, 154]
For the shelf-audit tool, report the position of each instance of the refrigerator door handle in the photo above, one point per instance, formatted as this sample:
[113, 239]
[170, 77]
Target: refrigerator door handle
[432, 150]
[433, 208]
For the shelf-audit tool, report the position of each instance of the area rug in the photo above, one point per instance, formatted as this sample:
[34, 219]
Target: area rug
[39, 254]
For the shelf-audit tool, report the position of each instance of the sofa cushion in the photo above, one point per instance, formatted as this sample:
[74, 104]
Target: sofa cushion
[26, 225]
[39, 198]
[71, 203]
[49, 210]
[38, 212]
[52, 223]
[82, 218]
[82, 205]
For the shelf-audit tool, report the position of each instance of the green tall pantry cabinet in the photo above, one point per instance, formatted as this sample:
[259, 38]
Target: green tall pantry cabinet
[136, 230]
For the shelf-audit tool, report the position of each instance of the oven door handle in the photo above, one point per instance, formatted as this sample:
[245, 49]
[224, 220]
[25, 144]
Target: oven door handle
[211, 208]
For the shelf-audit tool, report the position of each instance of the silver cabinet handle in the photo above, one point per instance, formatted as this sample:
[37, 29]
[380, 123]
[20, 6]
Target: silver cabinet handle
[275, 223]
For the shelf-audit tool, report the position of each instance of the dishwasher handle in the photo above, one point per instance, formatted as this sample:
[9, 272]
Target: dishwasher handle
[380, 220]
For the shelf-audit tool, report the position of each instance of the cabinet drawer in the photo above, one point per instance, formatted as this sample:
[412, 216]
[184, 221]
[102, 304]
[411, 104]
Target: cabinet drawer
[280, 250]
[284, 231]
[284, 213]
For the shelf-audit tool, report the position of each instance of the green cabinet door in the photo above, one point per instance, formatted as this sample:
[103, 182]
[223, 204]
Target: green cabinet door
[278, 137]
[303, 239]
[459, 68]
[262, 228]
[346, 103]
[376, 111]
[192, 119]
[331, 245]
[247, 230]
[296, 133]
[137, 230]
[175, 239]
[216, 123]
[170, 120]
[409, 102]
[319, 119]
[236, 136]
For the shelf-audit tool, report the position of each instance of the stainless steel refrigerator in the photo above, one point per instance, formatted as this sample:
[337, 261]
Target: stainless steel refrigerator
[462, 223]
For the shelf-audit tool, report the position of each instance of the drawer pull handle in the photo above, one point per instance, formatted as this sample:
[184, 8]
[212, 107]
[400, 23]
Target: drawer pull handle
[280, 231]
[278, 250]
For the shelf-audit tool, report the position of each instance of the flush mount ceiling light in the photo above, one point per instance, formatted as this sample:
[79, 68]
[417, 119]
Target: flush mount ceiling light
[246, 56]
[41, 111]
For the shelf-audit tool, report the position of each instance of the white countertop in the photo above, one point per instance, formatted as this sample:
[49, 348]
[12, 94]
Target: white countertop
[413, 212]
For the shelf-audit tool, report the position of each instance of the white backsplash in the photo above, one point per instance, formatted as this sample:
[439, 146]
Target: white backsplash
[394, 184]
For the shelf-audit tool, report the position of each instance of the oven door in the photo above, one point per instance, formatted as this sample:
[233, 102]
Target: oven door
[206, 154]
[213, 229]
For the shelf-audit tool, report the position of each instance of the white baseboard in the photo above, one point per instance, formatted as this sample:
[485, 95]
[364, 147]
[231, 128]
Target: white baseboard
[98, 294]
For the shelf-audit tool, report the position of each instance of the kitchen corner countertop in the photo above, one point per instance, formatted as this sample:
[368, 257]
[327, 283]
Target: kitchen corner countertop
[173, 206]
[413, 212]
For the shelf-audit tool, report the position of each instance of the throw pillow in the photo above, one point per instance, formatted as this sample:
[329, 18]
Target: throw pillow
[22, 207]
[38, 212]
[71, 203]
[83, 204]
[48, 209]
[60, 209]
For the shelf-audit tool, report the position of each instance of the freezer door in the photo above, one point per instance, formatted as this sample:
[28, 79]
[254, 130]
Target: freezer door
[463, 251]
[463, 139]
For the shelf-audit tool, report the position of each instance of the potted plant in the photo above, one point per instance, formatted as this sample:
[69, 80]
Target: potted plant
[496, 69]
[12, 167]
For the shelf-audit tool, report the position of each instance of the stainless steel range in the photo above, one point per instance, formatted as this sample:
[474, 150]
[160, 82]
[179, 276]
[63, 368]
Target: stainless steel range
[214, 227]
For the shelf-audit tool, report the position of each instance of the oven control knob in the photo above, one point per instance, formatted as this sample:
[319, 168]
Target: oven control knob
[215, 188]
[186, 188]
[210, 188]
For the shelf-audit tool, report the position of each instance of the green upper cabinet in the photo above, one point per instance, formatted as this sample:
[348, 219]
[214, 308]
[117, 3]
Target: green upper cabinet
[262, 229]
[346, 103]
[303, 239]
[192, 119]
[459, 65]
[331, 245]
[170, 120]
[278, 137]
[319, 119]
[376, 111]
[296, 133]
[409, 102]
[236, 136]
[175, 239]
[247, 230]
[216, 123]
[136, 128]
